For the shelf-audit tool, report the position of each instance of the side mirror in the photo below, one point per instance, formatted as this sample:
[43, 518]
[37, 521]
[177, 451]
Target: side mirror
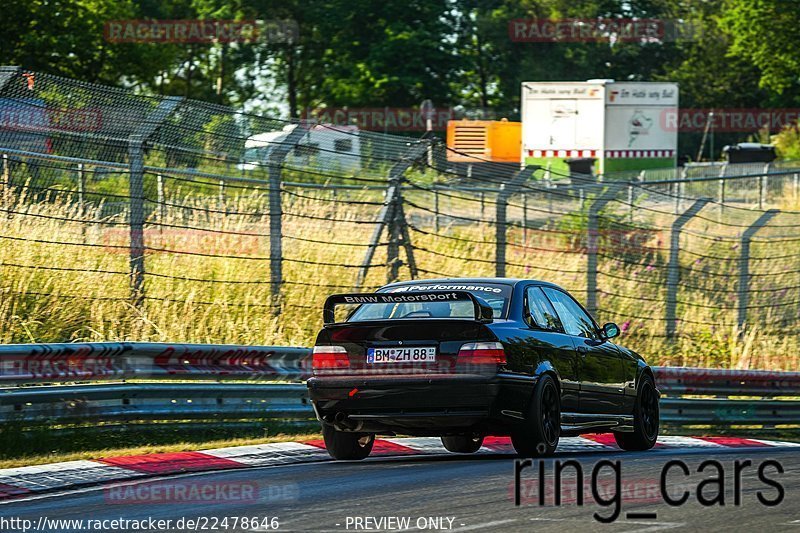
[610, 330]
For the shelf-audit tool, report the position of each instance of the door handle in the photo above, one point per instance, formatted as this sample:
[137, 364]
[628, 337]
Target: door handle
[582, 350]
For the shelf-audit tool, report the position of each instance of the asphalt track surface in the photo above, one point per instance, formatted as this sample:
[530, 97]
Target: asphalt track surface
[476, 492]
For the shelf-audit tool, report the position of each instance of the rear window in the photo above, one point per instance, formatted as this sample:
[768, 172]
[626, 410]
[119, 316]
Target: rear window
[495, 294]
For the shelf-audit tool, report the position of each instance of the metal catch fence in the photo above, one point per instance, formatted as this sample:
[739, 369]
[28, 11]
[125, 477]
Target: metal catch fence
[132, 216]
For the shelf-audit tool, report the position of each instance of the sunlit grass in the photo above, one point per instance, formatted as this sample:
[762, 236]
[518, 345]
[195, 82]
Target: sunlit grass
[57, 456]
[88, 298]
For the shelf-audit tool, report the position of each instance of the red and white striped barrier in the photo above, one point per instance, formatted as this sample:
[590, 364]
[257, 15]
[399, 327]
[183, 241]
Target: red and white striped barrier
[25, 481]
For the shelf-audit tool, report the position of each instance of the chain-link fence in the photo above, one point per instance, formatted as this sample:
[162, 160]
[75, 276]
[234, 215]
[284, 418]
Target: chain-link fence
[158, 218]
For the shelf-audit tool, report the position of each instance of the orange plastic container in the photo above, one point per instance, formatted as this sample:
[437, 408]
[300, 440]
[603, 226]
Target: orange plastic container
[477, 141]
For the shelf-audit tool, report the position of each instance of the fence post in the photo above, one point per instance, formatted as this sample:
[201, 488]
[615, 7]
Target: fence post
[796, 185]
[393, 261]
[136, 142]
[673, 268]
[221, 198]
[81, 189]
[676, 192]
[405, 237]
[721, 192]
[162, 208]
[5, 187]
[276, 214]
[525, 219]
[500, 221]
[136, 195]
[435, 209]
[591, 244]
[763, 190]
[500, 224]
[392, 217]
[82, 199]
[744, 265]
[630, 203]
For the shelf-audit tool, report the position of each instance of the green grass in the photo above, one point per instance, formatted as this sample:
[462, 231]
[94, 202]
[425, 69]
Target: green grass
[23, 446]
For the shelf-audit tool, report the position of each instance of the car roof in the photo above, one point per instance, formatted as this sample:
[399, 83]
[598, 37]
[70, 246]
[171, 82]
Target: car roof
[503, 281]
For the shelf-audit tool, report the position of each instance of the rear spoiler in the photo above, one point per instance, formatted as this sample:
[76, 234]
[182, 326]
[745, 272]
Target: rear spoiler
[483, 311]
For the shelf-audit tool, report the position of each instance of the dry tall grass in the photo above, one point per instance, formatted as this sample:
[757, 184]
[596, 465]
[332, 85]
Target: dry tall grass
[208, 275]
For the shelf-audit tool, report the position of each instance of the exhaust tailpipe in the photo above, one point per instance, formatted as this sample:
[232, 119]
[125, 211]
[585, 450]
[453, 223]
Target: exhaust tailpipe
[343, 423]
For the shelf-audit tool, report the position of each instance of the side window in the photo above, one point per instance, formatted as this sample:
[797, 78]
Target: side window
[541, 310]
[343, 145]
[573, 317]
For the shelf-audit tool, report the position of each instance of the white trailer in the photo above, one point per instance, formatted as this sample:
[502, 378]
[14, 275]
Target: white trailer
[324, 147]
[623, 125]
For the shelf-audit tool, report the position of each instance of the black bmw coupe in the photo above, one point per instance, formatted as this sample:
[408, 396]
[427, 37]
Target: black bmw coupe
[465, 358]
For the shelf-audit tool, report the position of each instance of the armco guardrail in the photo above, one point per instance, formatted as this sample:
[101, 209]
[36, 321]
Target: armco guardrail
[703, 396]
[28, 372]
[124, 402]
[96, 361]
[44, 383]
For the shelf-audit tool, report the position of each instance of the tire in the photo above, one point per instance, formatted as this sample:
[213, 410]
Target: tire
[645, 419]
[463, 443]
[343, 445]
[539, 437]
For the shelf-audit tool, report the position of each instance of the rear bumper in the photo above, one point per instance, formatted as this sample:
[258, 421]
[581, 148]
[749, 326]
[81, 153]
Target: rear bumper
[416, 405]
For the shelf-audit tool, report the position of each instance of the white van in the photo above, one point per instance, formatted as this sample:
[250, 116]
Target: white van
[324, 147]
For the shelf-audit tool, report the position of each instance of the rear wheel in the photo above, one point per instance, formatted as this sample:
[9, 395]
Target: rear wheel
[463, 443]
[344, 445]
[540, 435]
[645, 419]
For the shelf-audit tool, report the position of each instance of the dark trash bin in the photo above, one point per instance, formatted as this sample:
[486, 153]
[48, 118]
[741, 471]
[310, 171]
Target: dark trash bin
[581, 168]
[749, 153]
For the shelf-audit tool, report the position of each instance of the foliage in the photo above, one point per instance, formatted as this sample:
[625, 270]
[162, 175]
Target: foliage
[765, 33]
[359, 53]
[787, 142]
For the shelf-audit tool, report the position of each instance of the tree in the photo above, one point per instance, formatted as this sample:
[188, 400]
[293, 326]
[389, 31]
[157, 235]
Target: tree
[66, 37]
[492, 66]
[765, 33]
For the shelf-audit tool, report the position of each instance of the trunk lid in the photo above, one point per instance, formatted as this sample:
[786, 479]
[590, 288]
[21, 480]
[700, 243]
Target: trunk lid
[403, 338]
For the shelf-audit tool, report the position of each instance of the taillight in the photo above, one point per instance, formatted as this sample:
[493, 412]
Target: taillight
[482, 353]
[329, 357]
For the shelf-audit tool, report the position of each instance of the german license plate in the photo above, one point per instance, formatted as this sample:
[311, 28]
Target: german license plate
[416, 354]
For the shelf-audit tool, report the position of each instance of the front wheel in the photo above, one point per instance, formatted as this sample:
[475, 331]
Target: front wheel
[645, 419]
[463, 443]
[343, 445]
[540, 435]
